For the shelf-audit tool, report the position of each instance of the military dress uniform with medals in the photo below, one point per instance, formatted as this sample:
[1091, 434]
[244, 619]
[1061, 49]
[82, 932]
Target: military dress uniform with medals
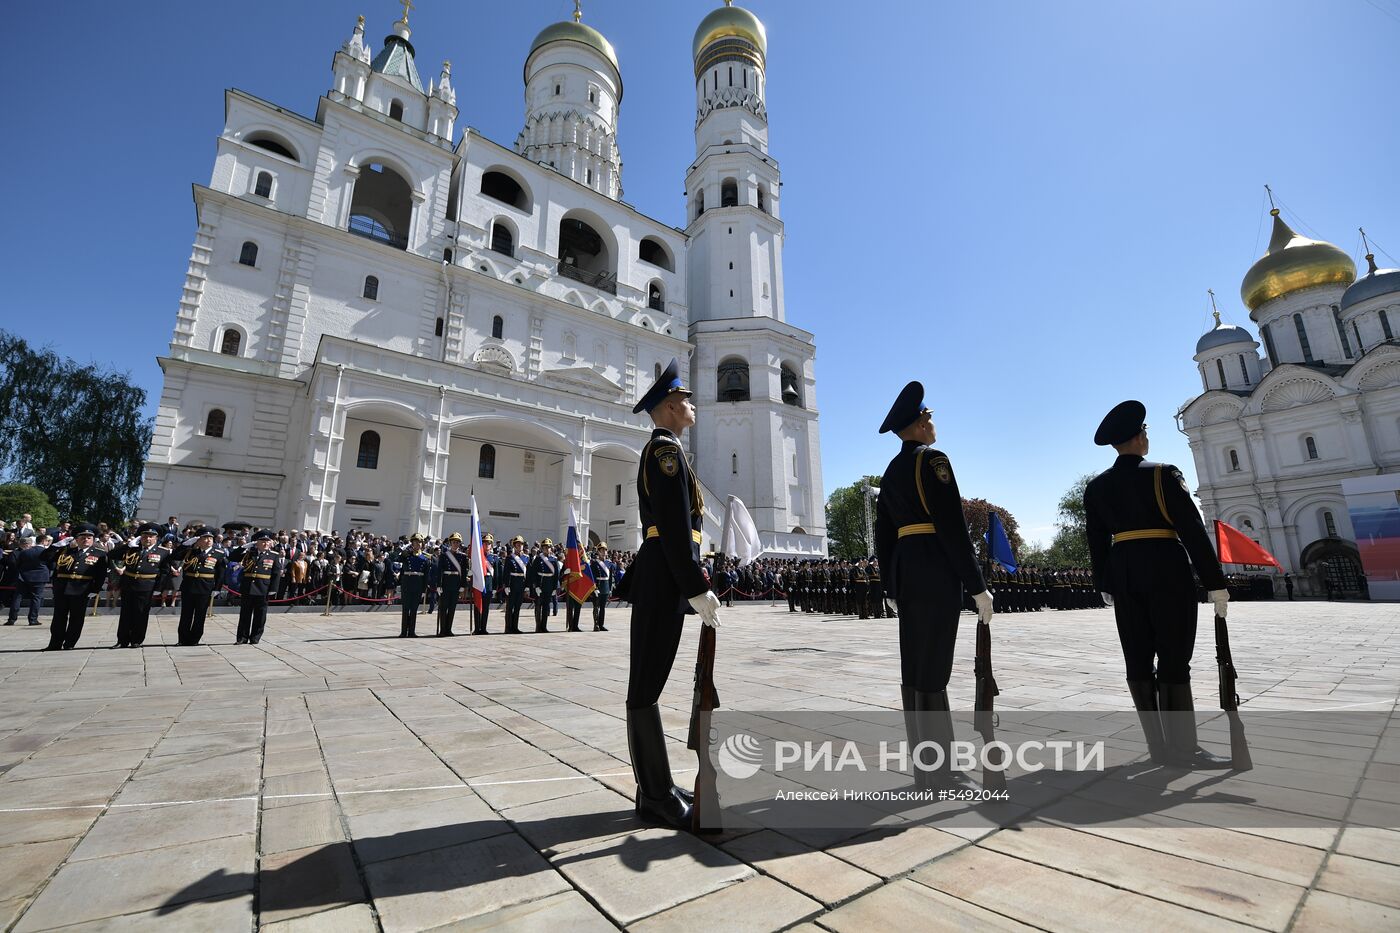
[140, 568]
[925, 550]
[201, 575]
[450, 570]
[78, 573]
[1145, 536]
[262, 573]
[413, 580]
[603, 571]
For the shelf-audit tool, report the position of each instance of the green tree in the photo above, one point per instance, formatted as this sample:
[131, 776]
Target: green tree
[75, 432]
[977, 512]
[845, 521]
[19, 499]
[1070, 548]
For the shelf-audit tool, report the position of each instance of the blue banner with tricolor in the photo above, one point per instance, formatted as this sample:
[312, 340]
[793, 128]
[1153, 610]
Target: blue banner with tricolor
[998, 546]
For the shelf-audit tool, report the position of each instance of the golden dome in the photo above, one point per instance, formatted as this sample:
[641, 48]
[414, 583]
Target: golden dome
[575, 32]
[730, 21]
[1293, 263]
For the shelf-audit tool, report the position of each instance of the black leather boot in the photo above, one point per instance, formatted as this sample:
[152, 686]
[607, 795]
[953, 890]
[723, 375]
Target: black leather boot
[935, 723]
[1179, 725]
[911, 734]
[1145, 702]
[657, 798]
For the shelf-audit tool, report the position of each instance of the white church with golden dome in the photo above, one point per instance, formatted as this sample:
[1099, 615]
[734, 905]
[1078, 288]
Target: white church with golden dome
[381, 315]
[1276, 438]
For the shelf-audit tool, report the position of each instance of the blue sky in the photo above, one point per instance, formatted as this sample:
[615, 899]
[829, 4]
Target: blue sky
[1021, 204]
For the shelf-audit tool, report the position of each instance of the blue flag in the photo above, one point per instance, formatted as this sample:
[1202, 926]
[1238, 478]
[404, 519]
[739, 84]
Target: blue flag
[997, 544]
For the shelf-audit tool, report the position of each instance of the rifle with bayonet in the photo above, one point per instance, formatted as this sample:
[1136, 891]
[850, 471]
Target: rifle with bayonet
[1240, 759]
[704, 813]
[984, 719]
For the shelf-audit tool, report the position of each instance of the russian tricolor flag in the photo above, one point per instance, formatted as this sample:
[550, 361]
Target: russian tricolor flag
[478, 560]
[580, 584]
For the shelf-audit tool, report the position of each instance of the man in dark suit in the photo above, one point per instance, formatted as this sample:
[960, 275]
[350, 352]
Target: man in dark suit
[1144, 536]
[923, 543]
[30, 572]
[663, 584]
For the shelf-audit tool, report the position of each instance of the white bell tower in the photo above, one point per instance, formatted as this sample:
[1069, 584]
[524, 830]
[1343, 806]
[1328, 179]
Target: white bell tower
[756, 431]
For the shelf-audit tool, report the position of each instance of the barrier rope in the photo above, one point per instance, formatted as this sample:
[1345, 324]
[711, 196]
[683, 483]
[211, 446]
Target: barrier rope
[278, 602]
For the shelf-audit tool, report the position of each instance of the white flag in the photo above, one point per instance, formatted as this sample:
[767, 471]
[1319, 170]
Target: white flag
[740, 535]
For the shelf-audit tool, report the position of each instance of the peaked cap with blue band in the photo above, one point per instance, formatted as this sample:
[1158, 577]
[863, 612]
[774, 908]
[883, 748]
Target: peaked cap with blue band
[668, 383]
[1122, 424]
[906, 409]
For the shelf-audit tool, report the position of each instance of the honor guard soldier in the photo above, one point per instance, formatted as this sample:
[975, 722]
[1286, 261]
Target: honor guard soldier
[543, 580]
[860, 588]
[140, 563]
[452, 567]
[517, 575]
[262, 570]
[924, 546]
[604, 572]
[663, 584]
[202, 568]
[1145, 535]
[488, 573]
[79, 569]
[413, 580]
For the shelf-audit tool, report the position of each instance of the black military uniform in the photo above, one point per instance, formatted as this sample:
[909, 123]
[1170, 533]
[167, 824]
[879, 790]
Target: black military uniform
[79, 570]
[413, 579]
[452, 567]
[1145, 535]
[860, 588]
[926, 551]
[140, 564]
[604, 571]
[488, 573]
[660, 583]
[202, 568]
[517, 571]
[262, 572]
[543, 580]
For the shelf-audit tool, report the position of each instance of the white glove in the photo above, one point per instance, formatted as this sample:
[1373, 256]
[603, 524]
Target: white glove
[190, 540]
[707, 605]
[132, 542]
[1221, 598]
[439, 589]
[1107, 598]
[983, 601]
[63, 542]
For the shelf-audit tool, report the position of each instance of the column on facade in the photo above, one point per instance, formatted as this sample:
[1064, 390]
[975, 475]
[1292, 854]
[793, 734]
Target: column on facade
[324, 453]
[436, 452]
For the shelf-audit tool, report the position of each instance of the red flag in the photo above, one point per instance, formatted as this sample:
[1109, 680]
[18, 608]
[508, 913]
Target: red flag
[579, 581]
[1236, 547]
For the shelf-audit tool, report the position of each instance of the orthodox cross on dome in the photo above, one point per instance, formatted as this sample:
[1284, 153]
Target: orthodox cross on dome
[578, 11]
[407, 5]
[1213, 309]
[1366, 245]
[1273, 208]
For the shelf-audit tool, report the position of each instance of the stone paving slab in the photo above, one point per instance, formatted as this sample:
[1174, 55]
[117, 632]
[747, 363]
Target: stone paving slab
[337, 778]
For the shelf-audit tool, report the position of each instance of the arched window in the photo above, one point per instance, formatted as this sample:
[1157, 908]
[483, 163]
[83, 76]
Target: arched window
[502, 240]
[791, 386]
[1329, 524]
[1385, 325]
[395, 110]
[368, 457]
[1244, 370]
[585, 256]
[732, 380]
[447, 255]
[1303, 338]
[1220, 368]
[1341, 330]
[1310, 446]
[1234, 461]
[699, 202]
[651, 250]
[486, 463]
[762, 200]
[656, 298]
[382, 206]
[371, 290]
[729, 193]
[231, 342]
[263, 186]
[248, 255]
[498, 327]
[503, 188]
[272, 144]
[214, 423]
[1268, 333]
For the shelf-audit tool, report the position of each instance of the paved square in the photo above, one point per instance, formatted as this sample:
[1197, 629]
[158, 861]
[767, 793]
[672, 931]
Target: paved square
[338, 778]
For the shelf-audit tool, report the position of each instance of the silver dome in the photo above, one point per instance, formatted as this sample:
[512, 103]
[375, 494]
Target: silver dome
[1375, 283]
[1221, 335]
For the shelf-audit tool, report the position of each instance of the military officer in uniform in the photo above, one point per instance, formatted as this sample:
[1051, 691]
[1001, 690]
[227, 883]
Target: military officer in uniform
[543, 580]
[860, 588]
[926, 551]
[452, 567]
[1145, 535]
[604, 571]
[140, 563]
[517, 575]
[488, 573]
[79, 569]
[664, 583]
[413, 580]
[202, 568]
[262, 570]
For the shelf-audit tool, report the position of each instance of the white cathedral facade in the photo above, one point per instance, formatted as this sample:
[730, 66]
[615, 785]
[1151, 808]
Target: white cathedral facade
[1274, 438]
[379, 318]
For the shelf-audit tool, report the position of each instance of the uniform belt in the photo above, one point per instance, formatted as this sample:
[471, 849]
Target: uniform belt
[517, 575]
[923, 528]
[257, 576]
[654, 532]
[73, 576]
[141, 576]
[199, 576]
[452, 573]
[1144, 534]
[412, 573]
